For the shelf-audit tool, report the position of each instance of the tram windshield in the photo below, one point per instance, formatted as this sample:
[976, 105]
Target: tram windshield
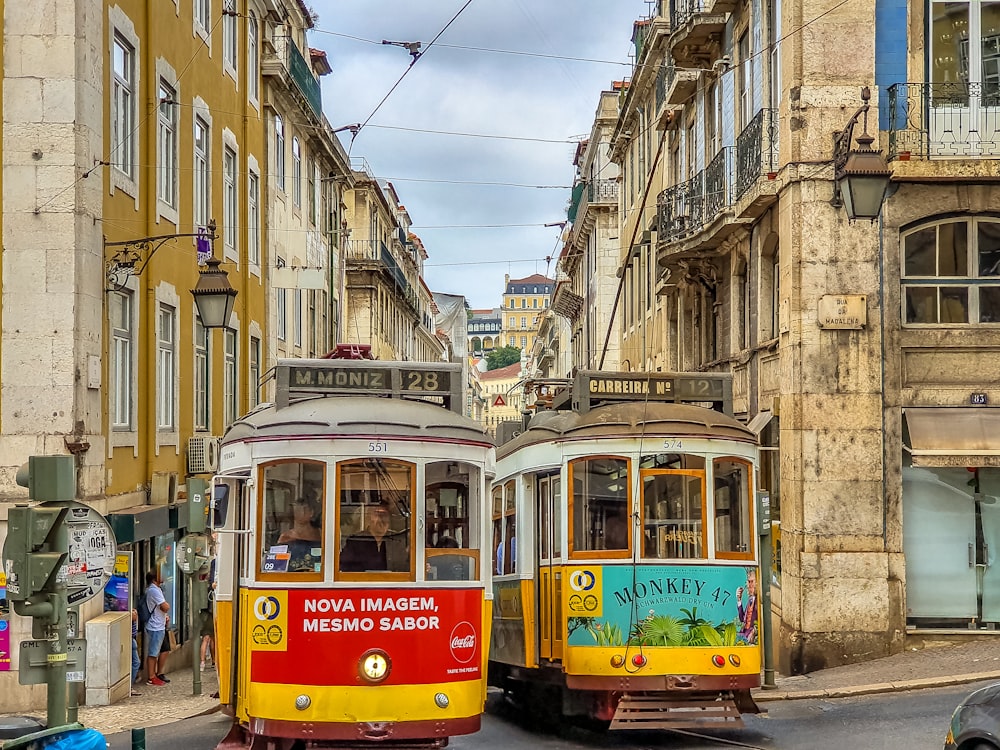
[451, 543]
[733, 537]
[292, 523]
[600, 504]
[375, 501]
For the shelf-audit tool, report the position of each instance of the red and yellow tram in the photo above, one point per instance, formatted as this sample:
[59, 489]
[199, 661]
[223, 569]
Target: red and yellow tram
[352, 606]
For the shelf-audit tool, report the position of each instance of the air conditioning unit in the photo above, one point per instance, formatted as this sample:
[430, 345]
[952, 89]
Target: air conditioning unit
[203, 454]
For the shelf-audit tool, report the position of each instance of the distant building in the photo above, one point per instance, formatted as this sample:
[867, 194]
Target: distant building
[503, 394]
[524, 300]
[485, 329]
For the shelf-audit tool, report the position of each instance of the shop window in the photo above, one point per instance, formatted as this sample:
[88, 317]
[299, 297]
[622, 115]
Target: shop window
[292, 524]
[165, 564]
[374, 535]
[451, 551]
[600, 509]
[951, 273]
[732, 498]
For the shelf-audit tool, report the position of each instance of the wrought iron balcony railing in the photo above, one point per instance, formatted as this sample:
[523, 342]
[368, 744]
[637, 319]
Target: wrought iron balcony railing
[602, 191]
[287, 58]
[756, 150]
[944, 120]
[681, 11]
[686, 208]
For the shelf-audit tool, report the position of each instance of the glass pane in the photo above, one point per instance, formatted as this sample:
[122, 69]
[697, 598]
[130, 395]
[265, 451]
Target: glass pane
[292, 534]
[953, 249]
[450, 545]
[509, 554]
[600, 504]
[989, 513]
[375, 502]
[954, 304]
[732, 505]
[544, 519]
[988, 236]
[920, 253]
[557, 508]
[671, 516]
[989, 304]
[497, 530]
[921, 304]
[949, 50]
[990, 46]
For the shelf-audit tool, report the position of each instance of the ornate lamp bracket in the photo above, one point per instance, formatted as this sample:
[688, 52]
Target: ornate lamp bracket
[132, 257]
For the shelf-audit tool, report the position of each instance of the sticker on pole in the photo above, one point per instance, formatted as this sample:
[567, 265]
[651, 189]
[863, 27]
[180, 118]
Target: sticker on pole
[92, 550]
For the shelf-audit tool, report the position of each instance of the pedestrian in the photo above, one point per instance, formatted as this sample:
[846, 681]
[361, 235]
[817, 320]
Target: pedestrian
[136, 663]
[156, 629]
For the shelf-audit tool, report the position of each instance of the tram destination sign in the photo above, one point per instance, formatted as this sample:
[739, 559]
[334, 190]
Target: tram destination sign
[366, 378]
[594, 387]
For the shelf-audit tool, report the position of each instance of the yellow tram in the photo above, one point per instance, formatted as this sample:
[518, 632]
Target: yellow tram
[625, 563]
[351, 604]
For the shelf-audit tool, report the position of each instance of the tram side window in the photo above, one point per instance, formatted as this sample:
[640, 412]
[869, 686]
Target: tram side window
[733, 535]
[672, 514]
[497, 547]
[376, 498]
[292, 524]
[600, 504]
[451, 547]
[510, 528]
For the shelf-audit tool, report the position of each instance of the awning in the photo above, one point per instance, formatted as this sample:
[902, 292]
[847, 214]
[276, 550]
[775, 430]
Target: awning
[959, 436]
[140, 522]
[760, 421]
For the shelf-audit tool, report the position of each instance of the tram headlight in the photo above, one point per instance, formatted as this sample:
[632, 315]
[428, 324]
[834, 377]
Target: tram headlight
[303, 702]
[617, 660]
[441, 700]
[734, 659]
[374, 666]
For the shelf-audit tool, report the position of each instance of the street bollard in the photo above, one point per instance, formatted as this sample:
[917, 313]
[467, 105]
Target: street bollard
[139, 739]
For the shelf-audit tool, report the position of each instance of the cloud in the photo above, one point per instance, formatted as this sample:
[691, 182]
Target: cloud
[468, 91]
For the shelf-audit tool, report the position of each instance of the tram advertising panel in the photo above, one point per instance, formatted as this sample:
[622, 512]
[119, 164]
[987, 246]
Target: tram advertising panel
[429, 636]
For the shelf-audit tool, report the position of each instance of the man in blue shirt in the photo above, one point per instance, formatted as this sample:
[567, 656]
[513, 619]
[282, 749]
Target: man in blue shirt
[156, 629]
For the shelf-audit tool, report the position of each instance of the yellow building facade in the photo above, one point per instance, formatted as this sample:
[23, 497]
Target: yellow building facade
[524, 300]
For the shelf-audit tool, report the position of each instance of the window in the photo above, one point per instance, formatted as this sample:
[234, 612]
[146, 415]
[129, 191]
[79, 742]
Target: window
[672, 501]
[512, 341]
[296, 172]
[253, 218]
[524, 303]
[166, 362]
[229, 202]
[281, 310]
[123, 107]
[512, 321]
[253, 59]
[965, 49]
[201, 376]
[746, 80]
[534, 303]
[451, 538]
[297, 318]
[951, 273]
[202, 207]
[524, 321]
[202, 9]
[167, 145]
[230, 14]
[123, 338]
[374, 533]
[229, 394]
[253, 389]
[292, 518]
[311, 193]
[775, 295]
[732, 497]
[600, 504]
[524, 341]
[279, 153]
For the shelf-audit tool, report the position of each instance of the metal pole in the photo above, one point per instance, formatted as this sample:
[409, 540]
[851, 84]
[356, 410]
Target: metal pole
[73, 699]
[195, 636]
[139, 739]
[56, 698]
[765, 606]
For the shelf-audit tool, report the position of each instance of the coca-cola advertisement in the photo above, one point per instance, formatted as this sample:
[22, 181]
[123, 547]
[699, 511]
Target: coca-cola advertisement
[320, 636]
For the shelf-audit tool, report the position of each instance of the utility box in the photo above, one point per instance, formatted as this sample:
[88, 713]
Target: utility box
[109, 658]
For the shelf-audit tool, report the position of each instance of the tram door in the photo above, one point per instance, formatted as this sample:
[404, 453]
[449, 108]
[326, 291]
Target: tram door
[549, 519]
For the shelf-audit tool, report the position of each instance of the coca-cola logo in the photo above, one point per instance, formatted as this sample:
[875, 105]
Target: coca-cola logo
[463, 642]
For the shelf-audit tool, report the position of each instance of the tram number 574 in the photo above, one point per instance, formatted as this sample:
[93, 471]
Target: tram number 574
[377, 447]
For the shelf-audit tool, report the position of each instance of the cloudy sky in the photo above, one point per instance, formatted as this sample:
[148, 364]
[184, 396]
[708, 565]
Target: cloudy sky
[528, 88]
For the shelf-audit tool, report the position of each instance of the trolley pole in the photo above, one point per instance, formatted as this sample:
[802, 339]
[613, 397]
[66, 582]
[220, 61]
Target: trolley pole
[764, 531]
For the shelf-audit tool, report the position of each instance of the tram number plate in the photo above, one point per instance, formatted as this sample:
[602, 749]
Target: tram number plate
[377, 447]
[673, 444]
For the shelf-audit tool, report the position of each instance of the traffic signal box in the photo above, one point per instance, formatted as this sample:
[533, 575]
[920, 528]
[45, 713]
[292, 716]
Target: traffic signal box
[34, 552]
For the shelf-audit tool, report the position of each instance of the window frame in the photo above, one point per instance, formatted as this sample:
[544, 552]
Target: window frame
[572, 553]
[230, 202]
[201, 177]
[296, 172]
[122, 388]
[230, 379]
[253, 217]
[167, 129]
[749, 505]
[262, 502]
[279, 152]
[123, 105]
[253, 59]
[202, 362]
[166, 368]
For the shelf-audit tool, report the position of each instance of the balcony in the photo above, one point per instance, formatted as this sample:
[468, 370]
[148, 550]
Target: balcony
[283, 59]
[943, 121]
[756, 165]
[695, 23]
[680, 84]
[603, 191]
[689, 208]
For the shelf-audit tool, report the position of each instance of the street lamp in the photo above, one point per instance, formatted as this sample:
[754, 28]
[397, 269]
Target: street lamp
[214, 295]
[861, 175]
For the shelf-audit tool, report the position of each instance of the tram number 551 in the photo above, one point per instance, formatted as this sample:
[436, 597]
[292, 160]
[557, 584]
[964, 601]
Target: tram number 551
[377, 447]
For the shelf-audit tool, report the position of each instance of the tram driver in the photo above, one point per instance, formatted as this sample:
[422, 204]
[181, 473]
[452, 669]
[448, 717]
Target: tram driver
[376, 547]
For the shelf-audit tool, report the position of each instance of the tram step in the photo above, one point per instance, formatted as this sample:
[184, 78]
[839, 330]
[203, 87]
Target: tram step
[648, 711]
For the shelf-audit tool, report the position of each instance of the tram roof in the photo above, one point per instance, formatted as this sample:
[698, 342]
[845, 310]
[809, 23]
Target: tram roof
[630, 420]
[349, 416]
